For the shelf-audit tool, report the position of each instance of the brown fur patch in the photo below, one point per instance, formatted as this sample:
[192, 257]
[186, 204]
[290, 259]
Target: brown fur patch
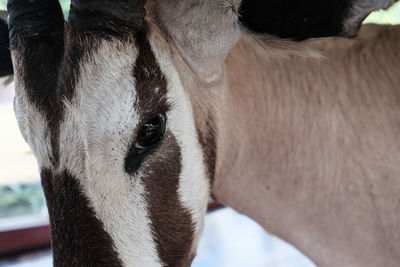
[148, 77]
[172, 224]
[78, 237]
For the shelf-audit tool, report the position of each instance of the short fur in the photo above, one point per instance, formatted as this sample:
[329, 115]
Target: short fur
[166, 213]
[309, 147]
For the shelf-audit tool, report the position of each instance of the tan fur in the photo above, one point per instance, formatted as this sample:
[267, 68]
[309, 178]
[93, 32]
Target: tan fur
[310, 148]
[307, 141]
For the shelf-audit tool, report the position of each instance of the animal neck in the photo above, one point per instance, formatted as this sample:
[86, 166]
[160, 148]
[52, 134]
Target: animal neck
[289, 150]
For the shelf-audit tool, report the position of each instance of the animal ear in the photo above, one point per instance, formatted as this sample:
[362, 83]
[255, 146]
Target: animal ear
[301, 19]
[204, 31]
[6, 67]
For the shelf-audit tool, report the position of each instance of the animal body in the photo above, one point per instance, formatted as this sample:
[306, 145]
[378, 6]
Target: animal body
[137, 112]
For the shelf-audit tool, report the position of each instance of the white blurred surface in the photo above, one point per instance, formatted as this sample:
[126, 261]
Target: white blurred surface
[234, 240]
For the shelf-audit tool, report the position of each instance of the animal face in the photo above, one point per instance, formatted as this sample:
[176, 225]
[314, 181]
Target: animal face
[114, 135]
[125, 137]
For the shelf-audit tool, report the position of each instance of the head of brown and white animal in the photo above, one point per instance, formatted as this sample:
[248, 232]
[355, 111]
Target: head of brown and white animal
[112, 128]
[119, 109]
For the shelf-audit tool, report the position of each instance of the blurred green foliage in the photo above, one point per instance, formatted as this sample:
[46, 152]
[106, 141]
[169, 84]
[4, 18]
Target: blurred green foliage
[65, 6]
[390, 16]
[21, 200]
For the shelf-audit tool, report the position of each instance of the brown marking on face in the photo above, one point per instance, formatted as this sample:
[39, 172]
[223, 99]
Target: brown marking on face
[151, 84]
[172, 223]
[78, 237]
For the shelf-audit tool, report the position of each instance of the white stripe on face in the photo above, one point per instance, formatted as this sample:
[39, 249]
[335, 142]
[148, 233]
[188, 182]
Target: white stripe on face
[32, 125]
[194, 186]
[102, 118]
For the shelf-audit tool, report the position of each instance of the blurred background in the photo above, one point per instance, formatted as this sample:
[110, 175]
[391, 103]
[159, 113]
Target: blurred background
[230, 239]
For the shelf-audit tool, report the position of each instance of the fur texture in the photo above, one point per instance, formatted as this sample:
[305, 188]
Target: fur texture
[309, 149]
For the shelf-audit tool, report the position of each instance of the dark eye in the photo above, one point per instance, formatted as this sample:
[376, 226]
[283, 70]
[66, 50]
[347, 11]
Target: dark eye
[151, 133]
[149, 136]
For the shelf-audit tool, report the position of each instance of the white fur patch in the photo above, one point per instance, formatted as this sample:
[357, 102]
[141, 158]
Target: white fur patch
[193, 183]
[32, 125]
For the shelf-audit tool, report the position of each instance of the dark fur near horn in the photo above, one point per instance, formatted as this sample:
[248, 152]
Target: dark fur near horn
[107, 16]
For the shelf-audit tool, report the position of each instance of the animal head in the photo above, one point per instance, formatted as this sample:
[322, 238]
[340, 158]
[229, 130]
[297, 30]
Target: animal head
[119, 109]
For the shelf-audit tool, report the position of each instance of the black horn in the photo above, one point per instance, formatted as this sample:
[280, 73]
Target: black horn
[34, 18]
[107, 16]
[36, 29]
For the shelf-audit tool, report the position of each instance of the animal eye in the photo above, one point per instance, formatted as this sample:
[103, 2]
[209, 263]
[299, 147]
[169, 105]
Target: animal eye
[149, 136]
[151, 133]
